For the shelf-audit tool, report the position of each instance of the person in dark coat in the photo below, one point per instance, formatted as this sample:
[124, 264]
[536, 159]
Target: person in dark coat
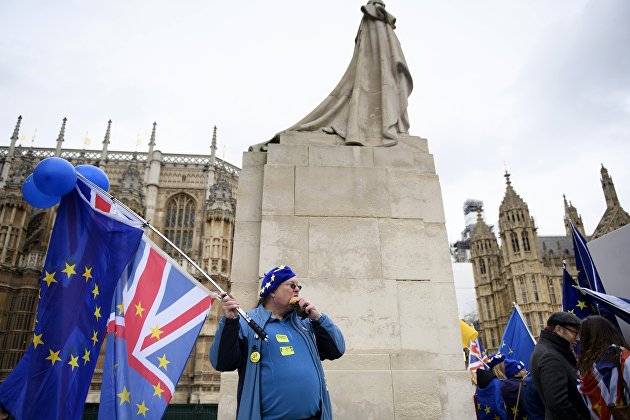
[534, 407]
[553, 366]
[512, 389]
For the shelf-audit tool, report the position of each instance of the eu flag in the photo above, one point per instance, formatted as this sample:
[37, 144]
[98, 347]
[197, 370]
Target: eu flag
[573, 300]
[588, 277]
[87, 252]
[517, 342]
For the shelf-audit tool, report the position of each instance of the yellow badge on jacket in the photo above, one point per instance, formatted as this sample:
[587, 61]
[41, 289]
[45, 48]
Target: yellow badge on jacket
[286, 350]
[254, 357]
[281, 338]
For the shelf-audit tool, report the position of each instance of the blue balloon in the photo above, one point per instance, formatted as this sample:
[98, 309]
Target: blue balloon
[94, 174]
[55, 176]
[35, 197]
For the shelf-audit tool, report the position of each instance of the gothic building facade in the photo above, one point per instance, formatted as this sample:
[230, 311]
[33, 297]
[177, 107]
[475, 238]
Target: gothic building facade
[524, 267]
[191, 199]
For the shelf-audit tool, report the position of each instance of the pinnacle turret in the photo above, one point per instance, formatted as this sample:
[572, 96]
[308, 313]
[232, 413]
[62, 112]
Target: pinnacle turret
[60, 138]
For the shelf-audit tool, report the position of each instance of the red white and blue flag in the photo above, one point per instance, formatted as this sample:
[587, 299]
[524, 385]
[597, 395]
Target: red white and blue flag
[477, 358]
[102, 203]
[156, 316]
[603, 385]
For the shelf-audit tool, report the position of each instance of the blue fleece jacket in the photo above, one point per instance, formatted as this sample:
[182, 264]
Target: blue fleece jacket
[234, 342]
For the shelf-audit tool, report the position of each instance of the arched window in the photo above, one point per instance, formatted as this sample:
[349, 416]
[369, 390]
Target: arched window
[523, 291]
[514, 238]
[482, 266]
[552, 292]
[492, 337]
[535, 289]
[489, 308]
[525, 238]
[528, 319]
[180, 223]
[541, 323]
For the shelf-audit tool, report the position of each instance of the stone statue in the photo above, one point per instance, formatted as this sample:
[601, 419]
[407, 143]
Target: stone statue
[369, 105]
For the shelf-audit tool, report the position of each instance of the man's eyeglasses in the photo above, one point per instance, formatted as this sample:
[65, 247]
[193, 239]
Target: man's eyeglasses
[293, 286]
[575, 333]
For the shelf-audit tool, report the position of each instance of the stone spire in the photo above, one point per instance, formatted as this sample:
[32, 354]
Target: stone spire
[152, 142]
[213, 147]
[106, 141]
[518, 231]
[609, 189]
[571, 215]
[15, 136]
[615, 216]
[60, 138]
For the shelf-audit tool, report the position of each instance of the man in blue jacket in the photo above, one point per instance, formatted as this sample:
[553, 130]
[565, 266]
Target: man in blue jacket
[281, 378]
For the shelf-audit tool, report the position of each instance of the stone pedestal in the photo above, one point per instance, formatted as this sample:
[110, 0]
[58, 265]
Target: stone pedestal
[363, 228]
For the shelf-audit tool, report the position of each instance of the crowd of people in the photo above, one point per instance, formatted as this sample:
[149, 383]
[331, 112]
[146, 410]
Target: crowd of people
[580, 369]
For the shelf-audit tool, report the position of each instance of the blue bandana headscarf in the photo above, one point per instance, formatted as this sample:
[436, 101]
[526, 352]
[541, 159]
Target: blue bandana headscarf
[274, 278]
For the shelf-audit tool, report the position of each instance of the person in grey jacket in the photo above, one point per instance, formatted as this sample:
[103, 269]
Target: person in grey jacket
[553, 368]
[281, 378]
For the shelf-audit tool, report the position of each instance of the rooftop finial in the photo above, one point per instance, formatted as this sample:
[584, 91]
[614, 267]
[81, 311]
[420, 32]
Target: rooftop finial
[16, 131]
[107, 132]
[60, 138]
[152, 140]
[507, 179]
[213, 146]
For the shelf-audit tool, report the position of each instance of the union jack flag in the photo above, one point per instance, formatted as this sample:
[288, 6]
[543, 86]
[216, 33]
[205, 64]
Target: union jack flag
[101, 202]
[601, 387]
[156, 316]
[477, 357]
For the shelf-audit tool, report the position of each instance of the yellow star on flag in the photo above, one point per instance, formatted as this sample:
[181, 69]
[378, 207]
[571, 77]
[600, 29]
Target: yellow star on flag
[571, 311]
[94, 337]
[53, 356]
[95, 291]
[139, 309]
[73, 362]
[86, 357]
[142, 409]
[487, 409]
[514, 410]
[121, 308]
[496, 417]
[97, 313]
[50, 278]
[87, 274]
[155, 332]
[581, 304]
[37, 340]
[510, 351]
[163, 361]
[69, 270]
[598, 408]
[124, 396]
[157, 390]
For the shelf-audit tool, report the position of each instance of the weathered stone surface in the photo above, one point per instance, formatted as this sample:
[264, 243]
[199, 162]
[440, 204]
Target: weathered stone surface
[403, 249]
[361, 394]
[413, 195]
[278, 190]
[281, 154]
[227, 396]
[292, 138]
[343, 247]
[392, 157]
[350, 156]
[249, 194]
[417, 395]
[284, 240]
[368, 320]
[246, 256]
[336, 191]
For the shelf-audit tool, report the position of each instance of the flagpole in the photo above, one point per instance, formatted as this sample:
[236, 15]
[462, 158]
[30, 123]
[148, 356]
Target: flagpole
[253, 325]
[523, 319]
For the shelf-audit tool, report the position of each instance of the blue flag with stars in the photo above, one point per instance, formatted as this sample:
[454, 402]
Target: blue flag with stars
[87, 252]
[517, 342]
[573, 300]
[588, 277]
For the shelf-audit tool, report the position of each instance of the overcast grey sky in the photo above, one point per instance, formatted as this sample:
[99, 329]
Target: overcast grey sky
[539, 87]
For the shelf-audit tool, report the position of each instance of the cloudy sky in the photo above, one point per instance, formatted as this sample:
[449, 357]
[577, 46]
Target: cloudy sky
[539, 87]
